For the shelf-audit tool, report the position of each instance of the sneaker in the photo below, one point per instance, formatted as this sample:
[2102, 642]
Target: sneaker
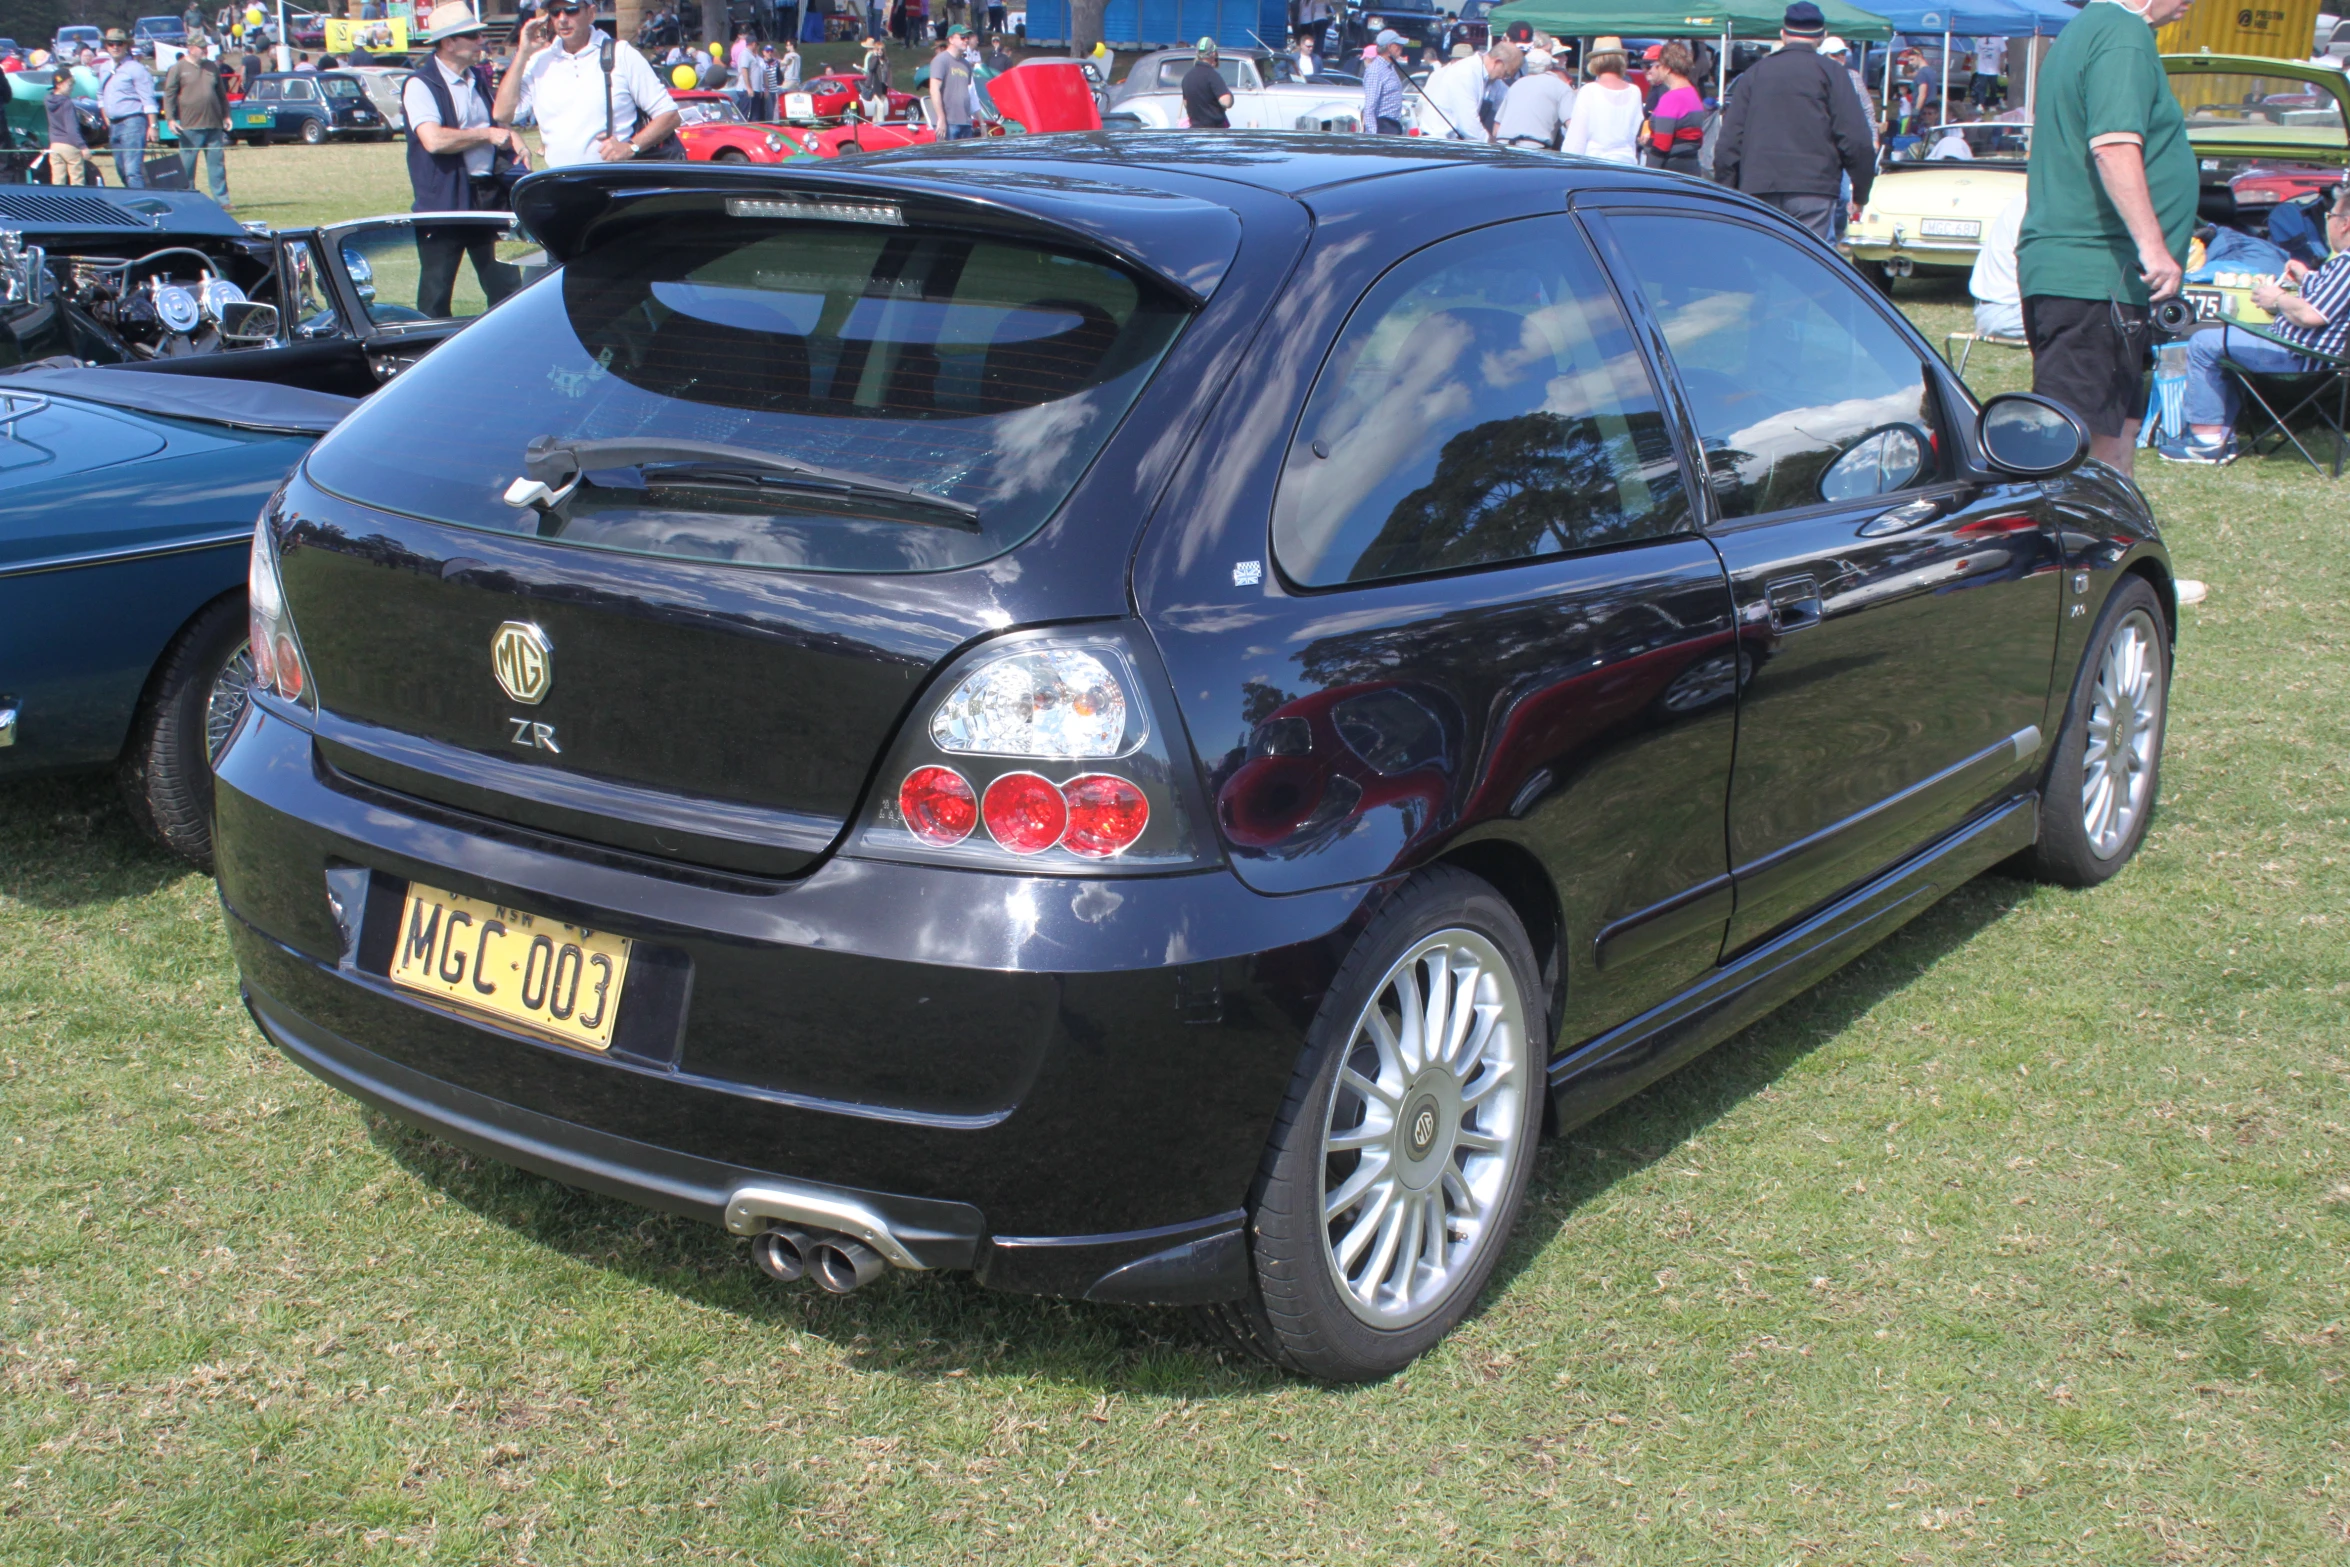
[2190, 591]
[2190, 448]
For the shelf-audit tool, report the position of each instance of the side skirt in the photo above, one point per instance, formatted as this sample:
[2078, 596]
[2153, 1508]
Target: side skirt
[1604, 1071]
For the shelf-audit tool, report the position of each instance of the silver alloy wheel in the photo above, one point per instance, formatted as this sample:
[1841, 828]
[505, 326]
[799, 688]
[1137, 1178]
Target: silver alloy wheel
[231, 689]
[1425, 1128]
[2125, 725]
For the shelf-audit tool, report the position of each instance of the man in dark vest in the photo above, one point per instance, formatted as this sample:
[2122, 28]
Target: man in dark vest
[459, 160]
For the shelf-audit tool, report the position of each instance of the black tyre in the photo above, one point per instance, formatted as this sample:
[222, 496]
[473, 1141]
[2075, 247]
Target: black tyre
[2098, 796]
[730, 155]
[1395, 1173]
[194, 698]
[313, 133]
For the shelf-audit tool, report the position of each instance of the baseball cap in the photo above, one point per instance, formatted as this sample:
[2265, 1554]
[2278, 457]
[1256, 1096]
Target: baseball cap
[1204, 46]
[958, 31]
[1389, 36]
[1834, 45]
[1538, 60]
[1804, 20]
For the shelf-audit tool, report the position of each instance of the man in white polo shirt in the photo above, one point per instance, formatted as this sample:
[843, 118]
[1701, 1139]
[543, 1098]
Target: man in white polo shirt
[595, 100]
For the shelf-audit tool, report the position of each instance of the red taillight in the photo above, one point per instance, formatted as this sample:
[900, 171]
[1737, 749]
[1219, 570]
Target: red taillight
[1106, 815]
[1025, 813]
[938, 805]
[288, 668]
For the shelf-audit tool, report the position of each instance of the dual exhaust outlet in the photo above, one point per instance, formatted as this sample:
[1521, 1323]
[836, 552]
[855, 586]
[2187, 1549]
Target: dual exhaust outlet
[800, 1230]
[838, 1263]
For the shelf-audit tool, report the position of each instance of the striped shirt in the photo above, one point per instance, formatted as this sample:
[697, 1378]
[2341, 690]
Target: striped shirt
[2328, 289]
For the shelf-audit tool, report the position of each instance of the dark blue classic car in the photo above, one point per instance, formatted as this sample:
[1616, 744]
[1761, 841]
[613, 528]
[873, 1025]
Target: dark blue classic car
[307, 106]
[161, 368]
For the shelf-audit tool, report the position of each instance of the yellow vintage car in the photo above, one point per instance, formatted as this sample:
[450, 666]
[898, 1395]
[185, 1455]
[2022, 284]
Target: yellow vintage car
[2252, 121]
[1928, 214]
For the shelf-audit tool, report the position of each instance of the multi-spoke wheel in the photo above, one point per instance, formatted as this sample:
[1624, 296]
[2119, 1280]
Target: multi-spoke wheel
[2099, 794]
[1399, 1162]
[1424, 1129]
[195, 697]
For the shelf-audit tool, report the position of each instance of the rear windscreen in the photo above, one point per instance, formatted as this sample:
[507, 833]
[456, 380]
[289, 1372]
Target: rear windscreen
[948, 388]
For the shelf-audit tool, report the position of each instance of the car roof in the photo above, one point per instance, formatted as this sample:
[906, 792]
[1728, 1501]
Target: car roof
[1288, 163]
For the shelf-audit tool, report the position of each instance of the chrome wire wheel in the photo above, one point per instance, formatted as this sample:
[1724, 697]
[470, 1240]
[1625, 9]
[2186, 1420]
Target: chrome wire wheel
[231, 690]
[2124, 735]
[1425, 1129]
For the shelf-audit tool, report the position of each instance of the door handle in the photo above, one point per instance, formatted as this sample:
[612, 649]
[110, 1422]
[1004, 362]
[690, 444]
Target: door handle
[1901, 518]
[1795, 603]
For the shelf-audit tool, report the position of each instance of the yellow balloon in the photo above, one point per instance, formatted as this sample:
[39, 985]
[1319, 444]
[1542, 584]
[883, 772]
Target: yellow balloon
[717, 52]
[683, 76]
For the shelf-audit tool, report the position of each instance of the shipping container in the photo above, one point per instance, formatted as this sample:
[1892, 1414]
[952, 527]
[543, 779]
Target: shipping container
[2278, 30]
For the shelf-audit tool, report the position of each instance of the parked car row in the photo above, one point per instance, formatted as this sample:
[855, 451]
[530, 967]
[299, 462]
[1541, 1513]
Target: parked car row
[892, 724]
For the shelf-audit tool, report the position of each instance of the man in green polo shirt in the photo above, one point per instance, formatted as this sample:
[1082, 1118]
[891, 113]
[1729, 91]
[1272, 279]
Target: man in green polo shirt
[2110, 204]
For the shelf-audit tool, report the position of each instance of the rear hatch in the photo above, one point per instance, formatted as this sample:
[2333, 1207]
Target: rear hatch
[655, 555]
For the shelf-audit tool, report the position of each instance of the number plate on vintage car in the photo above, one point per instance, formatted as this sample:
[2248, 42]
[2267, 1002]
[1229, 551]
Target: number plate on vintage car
[547, 976]
[1952, 228]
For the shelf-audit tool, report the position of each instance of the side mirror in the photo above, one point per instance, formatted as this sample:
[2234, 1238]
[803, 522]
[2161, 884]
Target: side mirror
[248, 323]
[1888, 458]
[2028, 435]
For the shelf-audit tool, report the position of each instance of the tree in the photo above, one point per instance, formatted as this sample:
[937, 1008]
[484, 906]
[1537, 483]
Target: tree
[1085, 25]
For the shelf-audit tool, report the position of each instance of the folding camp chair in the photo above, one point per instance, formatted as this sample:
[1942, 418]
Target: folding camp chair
[2326, 379]
[1970, 339]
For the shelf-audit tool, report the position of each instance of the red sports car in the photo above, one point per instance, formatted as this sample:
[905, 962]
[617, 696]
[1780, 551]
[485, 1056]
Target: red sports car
[1036, 96]
[832, 95]
[714, 131]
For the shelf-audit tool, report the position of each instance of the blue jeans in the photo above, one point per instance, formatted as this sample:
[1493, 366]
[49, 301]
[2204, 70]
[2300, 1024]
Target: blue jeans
[961, 132]
[212, 142]
[2211, 397]
[128, 137]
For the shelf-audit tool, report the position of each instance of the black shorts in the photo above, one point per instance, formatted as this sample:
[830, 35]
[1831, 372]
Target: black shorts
[2090, 355]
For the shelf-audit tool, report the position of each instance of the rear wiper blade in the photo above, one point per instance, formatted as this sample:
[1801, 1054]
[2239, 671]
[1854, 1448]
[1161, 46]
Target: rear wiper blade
[553, 467]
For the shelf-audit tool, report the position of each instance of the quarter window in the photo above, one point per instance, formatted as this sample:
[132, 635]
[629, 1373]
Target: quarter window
[1787, 368]
[1483, 404]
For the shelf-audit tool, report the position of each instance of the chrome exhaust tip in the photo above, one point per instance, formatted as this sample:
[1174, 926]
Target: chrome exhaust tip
[842, 1265]
[1900, 266]
[782, 1254]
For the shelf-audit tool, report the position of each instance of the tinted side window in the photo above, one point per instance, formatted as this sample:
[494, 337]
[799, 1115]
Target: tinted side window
[1484, 403]
[1786, 366]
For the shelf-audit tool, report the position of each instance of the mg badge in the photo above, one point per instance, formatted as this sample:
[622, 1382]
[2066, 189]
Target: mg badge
[523, 660]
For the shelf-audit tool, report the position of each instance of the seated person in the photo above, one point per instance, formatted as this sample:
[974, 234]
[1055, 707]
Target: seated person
[2318, 317]
[1999, 300]
[1951, 142]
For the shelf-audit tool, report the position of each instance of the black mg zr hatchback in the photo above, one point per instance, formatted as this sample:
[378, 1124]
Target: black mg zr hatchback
[1140, 715]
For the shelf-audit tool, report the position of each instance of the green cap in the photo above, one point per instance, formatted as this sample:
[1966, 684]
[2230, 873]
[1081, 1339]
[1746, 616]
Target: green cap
[958, 31]
[1204, 46]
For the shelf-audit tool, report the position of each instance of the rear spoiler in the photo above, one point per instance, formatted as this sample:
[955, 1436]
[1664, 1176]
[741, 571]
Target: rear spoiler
[1181, 240]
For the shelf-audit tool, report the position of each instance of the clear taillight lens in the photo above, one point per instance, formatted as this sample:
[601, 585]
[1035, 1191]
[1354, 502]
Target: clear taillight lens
[275, 650]
[1059, 702]
[1040, 753]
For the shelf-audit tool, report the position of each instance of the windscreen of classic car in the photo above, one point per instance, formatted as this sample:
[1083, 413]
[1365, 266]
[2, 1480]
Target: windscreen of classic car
[894, 398]
[2229, 101]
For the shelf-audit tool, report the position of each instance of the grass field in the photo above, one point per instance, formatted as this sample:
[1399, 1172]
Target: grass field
[2023, 1240]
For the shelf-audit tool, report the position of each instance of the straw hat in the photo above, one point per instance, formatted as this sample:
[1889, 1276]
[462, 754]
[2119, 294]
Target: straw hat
[452, 19]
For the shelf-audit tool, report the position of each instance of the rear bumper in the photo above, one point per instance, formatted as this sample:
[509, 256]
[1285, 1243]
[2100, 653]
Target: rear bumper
[1064, 1086]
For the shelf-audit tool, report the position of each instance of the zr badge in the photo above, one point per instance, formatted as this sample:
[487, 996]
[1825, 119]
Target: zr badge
[534, 735]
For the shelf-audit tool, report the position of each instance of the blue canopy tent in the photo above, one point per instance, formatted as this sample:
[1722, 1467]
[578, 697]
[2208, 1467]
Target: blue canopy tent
[1973, 19]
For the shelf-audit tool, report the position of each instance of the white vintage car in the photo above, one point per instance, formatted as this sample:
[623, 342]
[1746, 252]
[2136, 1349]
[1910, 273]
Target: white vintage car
[1152, 96]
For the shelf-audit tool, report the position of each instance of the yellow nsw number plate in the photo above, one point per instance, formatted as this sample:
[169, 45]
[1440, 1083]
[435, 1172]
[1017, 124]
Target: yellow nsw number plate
[525, 968]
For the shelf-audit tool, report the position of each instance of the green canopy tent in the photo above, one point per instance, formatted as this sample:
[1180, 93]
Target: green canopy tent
[1652, 19]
